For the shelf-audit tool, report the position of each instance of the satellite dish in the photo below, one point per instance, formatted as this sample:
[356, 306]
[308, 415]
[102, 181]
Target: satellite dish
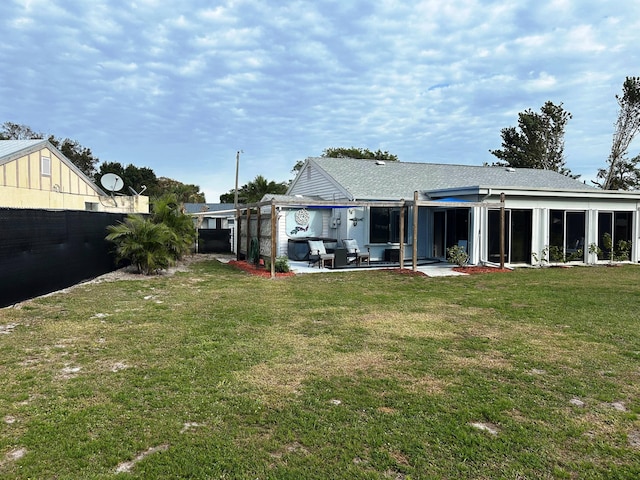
[112, 182]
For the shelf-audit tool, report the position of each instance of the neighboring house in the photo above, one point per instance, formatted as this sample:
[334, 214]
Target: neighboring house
[216, 226]
[35, 174]
[548, 216]
[211, 215]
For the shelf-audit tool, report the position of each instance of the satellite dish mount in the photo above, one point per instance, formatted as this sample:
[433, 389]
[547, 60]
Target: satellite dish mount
[112, 183]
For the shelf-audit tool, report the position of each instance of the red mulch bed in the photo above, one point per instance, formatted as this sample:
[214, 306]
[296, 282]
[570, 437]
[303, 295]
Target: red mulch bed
[259, 271]
[473, 270]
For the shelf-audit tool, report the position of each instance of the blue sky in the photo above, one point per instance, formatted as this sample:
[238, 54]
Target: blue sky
[181, 86]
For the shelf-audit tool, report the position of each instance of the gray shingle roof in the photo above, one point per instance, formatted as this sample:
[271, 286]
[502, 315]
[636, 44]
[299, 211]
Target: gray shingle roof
[365, 179]
[207, 207]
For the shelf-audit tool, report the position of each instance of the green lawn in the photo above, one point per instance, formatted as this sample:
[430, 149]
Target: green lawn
[214, 373]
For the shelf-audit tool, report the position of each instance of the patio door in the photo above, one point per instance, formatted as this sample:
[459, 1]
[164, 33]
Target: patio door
[450, 227]
[517, 237]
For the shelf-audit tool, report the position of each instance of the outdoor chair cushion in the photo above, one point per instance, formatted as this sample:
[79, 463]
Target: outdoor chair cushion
[351, 245]
[316, 247]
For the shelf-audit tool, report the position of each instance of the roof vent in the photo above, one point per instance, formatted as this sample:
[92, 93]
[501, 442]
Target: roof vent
[380, 162]
[510, 169]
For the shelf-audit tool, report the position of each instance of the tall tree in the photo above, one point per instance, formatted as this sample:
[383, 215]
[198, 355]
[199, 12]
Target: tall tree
[15, 131]
[185, 193]
[132, 176]
[79, 155]
[253, 191]
[622, 173]
[537, 141]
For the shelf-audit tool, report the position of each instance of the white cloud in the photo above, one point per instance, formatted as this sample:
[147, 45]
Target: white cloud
[427, 80]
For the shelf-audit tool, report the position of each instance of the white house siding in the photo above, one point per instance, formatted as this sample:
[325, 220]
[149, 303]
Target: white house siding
[310, 180]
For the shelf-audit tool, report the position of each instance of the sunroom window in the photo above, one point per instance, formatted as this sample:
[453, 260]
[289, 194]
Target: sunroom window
[614, 235]
[566, 236]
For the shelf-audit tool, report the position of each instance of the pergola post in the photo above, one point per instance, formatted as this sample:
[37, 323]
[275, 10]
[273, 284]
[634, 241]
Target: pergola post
[401, 253]
[414, 246]
[502, 215]
[274, 238]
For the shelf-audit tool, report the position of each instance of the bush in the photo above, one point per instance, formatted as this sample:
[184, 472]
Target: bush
[143, 243]
[457, 255]
[282, 265]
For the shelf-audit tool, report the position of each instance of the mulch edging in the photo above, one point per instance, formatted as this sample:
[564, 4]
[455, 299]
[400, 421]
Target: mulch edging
[258, 271]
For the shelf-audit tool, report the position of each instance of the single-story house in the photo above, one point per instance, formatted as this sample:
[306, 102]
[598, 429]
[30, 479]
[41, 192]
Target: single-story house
[547, 216]
[211, 215]
[35, 174]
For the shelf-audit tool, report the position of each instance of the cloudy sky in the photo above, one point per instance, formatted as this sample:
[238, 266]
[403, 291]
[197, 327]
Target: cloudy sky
[181, 86]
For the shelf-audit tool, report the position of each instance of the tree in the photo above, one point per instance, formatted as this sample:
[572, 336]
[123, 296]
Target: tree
[185, 193]
[253, 191]
[137, 177]
[79, 155]
[131, 175]
[169, 211]
[354, 152]
[622, 173]
[537, 142]
[14, 131]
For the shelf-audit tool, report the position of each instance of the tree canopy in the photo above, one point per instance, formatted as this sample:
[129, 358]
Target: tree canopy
[138, 177]
[622, 173]
[537, 141]
[353, 152]
[253, 191]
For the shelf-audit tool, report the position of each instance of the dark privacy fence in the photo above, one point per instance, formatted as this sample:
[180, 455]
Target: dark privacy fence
[42, 251]
[214, 240]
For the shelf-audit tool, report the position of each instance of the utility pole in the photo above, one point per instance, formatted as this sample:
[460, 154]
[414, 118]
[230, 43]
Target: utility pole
[235, 205]
[235, 197]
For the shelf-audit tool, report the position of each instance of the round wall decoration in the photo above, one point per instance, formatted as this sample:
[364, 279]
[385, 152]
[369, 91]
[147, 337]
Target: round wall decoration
[302, 217]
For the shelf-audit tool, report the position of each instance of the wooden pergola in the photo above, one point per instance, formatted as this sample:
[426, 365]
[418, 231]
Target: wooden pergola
[402, 204]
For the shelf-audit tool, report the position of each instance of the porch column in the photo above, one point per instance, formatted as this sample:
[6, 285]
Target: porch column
[414, 244]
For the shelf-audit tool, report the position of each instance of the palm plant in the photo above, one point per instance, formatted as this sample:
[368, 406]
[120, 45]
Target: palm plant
[168, 211]
[142, 242]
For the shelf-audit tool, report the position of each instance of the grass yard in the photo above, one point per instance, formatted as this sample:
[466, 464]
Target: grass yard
[214, 373]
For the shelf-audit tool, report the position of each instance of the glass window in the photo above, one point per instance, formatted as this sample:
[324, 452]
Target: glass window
[614, 235]
[45, 166]
[566, 236]
[384, 225]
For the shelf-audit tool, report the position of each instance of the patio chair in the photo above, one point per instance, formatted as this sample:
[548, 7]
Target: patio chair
[353, 252]
[318, 254]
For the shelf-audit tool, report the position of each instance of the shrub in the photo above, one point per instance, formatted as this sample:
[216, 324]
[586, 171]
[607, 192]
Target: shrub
[168, 211]
[282, 265]
[142, 242]
[457, 255]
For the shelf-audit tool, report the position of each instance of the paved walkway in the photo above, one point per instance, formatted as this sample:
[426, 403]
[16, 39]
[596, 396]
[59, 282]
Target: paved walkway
[431, 270]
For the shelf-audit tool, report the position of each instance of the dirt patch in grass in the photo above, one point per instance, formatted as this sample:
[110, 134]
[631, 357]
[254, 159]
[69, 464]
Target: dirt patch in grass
[287, 376]
[13, 456]
[126, 467]
[482, 360]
